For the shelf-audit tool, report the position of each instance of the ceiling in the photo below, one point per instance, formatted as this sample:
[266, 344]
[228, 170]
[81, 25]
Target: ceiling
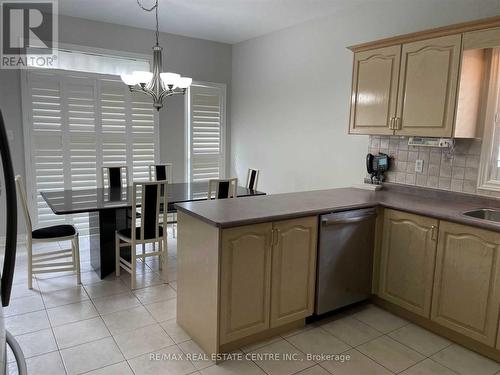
[227, 21]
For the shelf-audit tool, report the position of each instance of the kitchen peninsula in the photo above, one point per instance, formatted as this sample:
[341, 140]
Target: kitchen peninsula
[247, 267]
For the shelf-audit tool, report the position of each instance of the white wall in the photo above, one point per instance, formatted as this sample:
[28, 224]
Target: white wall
[201, 59]
[291, 90]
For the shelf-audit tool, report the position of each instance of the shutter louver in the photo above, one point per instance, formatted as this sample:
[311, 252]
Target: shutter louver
[143, 135]
[206, 132]
[46, 142]
[77, 124]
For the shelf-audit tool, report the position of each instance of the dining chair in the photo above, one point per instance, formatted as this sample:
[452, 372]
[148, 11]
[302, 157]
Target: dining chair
[223, 188]
[161, 172]
[115, 176]
[252, 178]
[150, 229]
[164, 172]
[49, 261]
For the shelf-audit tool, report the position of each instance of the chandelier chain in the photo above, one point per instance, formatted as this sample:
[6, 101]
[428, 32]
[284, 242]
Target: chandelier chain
[155, 8]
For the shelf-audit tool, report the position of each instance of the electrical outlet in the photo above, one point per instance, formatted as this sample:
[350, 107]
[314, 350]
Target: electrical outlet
[419, 166]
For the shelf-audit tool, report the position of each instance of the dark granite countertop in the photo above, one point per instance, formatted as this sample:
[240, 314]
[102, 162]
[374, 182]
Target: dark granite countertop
[428, 202]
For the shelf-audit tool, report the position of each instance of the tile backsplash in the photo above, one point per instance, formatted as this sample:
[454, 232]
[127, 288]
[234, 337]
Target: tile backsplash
[448, 169]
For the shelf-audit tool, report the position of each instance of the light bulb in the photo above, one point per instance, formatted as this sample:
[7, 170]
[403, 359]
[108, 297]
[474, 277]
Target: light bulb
[170, 79]
[128, 79]
[184, 82]
[142, 77]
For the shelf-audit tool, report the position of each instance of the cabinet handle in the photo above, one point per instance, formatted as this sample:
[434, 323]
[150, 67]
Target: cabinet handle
[398, 123]
[391, 123]
[434, 232]
[276, 237]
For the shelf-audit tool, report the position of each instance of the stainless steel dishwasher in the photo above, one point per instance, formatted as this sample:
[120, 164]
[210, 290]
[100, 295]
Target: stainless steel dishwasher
[345, 258]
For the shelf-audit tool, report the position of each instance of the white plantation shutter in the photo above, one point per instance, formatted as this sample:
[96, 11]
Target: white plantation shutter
[75, 123]
[206, 123]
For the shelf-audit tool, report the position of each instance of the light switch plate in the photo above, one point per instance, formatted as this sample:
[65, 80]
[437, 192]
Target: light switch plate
[419, 166]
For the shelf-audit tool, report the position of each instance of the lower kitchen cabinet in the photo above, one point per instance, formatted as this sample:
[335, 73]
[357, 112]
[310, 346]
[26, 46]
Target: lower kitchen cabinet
[466, 294]
[407, 260]
[293, 270]
[267, 276]
[245, 281]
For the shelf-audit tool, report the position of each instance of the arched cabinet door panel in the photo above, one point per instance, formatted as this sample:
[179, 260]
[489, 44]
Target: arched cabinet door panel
[293, 270]
[374, 90]
[245, 276]
[428, 83]
[407, 260]
[466, 294]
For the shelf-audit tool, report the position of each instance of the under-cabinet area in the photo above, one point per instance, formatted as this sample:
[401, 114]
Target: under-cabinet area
[242, 280]
[250, 281]
[445, 272]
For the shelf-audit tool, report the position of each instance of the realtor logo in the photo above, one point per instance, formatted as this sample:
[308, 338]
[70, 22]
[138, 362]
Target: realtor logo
[29, 33]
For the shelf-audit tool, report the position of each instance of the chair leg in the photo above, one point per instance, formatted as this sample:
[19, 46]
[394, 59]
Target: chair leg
[76, 258]
[160, 257]
[143, 248]
[164, 260]
[117, 255]
[133, 259]
[30, 262]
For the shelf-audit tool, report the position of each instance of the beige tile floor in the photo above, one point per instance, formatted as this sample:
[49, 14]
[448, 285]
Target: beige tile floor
[103, 327]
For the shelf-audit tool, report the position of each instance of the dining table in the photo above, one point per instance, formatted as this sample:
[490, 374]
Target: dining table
[109, 210]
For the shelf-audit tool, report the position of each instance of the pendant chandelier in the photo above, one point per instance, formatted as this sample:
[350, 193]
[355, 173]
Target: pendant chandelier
[157, 84]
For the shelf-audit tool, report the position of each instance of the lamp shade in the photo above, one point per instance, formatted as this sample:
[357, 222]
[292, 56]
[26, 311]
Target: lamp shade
[128, 79]
[142, 77]
[184, 82]
[170, 79]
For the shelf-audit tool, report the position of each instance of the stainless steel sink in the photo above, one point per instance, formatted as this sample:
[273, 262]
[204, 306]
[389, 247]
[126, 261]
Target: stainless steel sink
[485, 214]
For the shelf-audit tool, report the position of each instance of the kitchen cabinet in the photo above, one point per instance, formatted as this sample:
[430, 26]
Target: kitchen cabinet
[408, 253]
[428, 87]
[267, 276]
[293, 270]
[245, 281]
[466, 294]
[374, 90]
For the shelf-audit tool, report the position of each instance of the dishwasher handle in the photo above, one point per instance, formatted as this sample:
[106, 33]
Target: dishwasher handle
[350, 220]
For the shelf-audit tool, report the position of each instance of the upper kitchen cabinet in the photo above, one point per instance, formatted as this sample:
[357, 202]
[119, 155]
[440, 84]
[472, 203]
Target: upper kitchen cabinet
[428, 86]
[374, 90]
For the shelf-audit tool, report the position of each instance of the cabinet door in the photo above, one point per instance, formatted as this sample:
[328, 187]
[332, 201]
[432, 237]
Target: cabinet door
[293, 270]
[466, 289]
[245, 281]
[374, 90]
[428, 87]
[408, 255]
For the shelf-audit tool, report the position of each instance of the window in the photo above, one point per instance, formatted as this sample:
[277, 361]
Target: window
[489, 175]
[74, 123]
[206, 112]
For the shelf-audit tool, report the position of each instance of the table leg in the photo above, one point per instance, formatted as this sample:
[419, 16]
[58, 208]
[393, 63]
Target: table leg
[103, 225]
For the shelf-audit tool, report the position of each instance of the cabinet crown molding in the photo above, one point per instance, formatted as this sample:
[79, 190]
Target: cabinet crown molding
[458, 28]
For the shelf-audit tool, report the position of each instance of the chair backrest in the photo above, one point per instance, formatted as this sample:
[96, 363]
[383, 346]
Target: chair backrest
[115, 176]
[153, 203]
[161, 172]
[223, 188]
[252, 178]
[21, 192]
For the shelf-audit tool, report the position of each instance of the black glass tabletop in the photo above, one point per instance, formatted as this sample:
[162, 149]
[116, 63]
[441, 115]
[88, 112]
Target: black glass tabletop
[64, 202]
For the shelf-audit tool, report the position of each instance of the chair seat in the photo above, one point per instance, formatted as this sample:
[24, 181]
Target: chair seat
[127, 233]
[55, 231]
